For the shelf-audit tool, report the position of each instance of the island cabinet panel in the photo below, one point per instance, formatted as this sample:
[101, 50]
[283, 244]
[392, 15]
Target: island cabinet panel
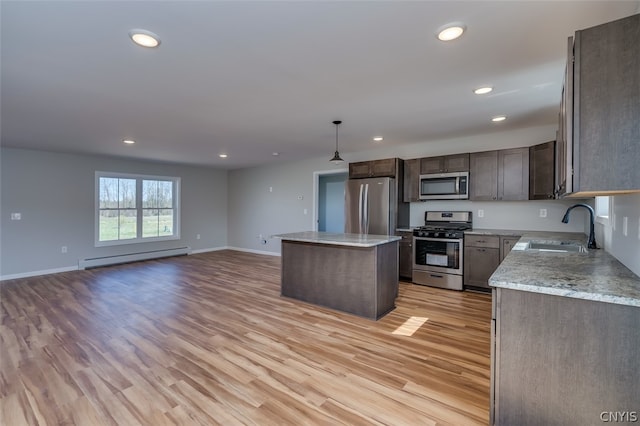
[561, 360]
[359, 280]
[541, 171]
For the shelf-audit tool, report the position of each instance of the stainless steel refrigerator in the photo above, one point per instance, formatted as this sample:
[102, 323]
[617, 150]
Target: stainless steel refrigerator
[370, 206]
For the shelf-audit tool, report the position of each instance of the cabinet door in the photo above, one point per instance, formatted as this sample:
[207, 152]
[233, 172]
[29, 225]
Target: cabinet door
[513, 174]
[606, 96]
[483, 176]
[383, 168]
[479, 264]
[431, 165]
[456, 163]
[359, 170]
[405, 261]
[411, 180]
[506, 244]
[541, 171]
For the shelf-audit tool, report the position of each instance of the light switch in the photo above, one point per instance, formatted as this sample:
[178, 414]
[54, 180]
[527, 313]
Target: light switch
[543, 212]
[16, 216]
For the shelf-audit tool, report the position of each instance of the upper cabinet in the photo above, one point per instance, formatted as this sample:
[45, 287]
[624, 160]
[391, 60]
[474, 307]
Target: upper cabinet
[444, 164]
[375, 168]
[599, 136]
[541, 171]
[412, 180]
[499, 175]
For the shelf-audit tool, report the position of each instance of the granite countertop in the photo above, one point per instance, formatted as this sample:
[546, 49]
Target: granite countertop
[500, 232]
[354, 240]
[595, 275]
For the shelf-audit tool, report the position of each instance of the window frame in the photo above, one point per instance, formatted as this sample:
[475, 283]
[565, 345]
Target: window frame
[139, 208]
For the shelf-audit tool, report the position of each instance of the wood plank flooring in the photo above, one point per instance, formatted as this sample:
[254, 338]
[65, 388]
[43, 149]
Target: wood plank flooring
[207, 339]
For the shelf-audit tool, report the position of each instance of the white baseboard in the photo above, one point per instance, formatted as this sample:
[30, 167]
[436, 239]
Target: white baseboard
[37, 273]
[268, 253]
[206, 250]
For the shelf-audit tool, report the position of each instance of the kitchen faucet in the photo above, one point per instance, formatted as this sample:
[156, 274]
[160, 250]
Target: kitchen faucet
[592, 236]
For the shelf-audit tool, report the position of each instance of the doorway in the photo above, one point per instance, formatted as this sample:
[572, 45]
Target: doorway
[330, 201]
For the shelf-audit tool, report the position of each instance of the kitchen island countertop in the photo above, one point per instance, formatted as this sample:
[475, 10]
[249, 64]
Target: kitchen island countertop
[354, 240]
[595, 275]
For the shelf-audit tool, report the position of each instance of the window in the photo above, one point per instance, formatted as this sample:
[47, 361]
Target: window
[136, 208]
[602, 209]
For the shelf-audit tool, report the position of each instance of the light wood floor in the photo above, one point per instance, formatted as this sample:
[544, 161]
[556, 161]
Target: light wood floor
[207, 339]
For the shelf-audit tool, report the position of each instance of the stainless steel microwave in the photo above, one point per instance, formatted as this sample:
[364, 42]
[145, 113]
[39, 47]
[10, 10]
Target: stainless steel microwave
[444, 186]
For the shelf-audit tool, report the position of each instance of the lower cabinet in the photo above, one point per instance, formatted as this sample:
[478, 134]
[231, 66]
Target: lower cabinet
[405, 249]
[481, 258]
[563, 361]
[506, 244]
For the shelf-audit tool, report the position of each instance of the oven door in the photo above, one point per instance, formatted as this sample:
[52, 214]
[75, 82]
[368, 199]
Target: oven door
[438, 255]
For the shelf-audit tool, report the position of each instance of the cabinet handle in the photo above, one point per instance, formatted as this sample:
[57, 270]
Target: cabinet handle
[436, 276]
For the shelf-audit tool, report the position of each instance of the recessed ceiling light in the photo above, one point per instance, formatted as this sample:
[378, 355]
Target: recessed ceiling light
[223, 156]
[498, 118]
[483, 90]
[144, 38]
[378, 138]
[450, 31]
[128, 141]
[275, 153]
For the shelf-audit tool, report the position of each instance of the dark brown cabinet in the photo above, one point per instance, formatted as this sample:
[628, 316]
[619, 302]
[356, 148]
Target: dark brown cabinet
[412, 180]
[506, 244]
[483, 176]
[599, 123]
[547, 367]
[405, 249]
[481, 258]
[541, 171]
[444, 164]
[376, 168]
[499, 175]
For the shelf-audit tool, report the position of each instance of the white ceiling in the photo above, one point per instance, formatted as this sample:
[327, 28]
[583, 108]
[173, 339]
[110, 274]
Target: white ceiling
[250, 78]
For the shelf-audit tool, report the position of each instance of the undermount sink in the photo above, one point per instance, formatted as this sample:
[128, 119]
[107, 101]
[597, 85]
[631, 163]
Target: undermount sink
[559, 247]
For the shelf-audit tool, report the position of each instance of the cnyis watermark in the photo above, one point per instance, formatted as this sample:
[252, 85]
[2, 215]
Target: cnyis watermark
[619, 416]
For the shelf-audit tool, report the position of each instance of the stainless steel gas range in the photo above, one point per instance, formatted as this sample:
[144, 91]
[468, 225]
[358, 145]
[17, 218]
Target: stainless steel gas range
[438, 249]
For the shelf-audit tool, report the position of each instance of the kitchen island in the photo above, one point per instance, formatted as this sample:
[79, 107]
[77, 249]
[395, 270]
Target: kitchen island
[352, 273]
[565, 338]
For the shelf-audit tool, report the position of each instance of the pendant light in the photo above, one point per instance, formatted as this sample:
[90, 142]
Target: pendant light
[336, 157]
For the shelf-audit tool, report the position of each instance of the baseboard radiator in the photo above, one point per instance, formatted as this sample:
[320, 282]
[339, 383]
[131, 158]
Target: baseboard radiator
[134, 257]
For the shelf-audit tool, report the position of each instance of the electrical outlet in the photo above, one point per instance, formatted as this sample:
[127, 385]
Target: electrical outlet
[625, 223]
[197, 236]
[543, 212]
[480, 213]
[63, 249]
[304, 211]
[271, 189]
[16, 216]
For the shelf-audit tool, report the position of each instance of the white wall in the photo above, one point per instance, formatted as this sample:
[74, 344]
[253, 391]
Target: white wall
[625, 248]
[55, 194]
